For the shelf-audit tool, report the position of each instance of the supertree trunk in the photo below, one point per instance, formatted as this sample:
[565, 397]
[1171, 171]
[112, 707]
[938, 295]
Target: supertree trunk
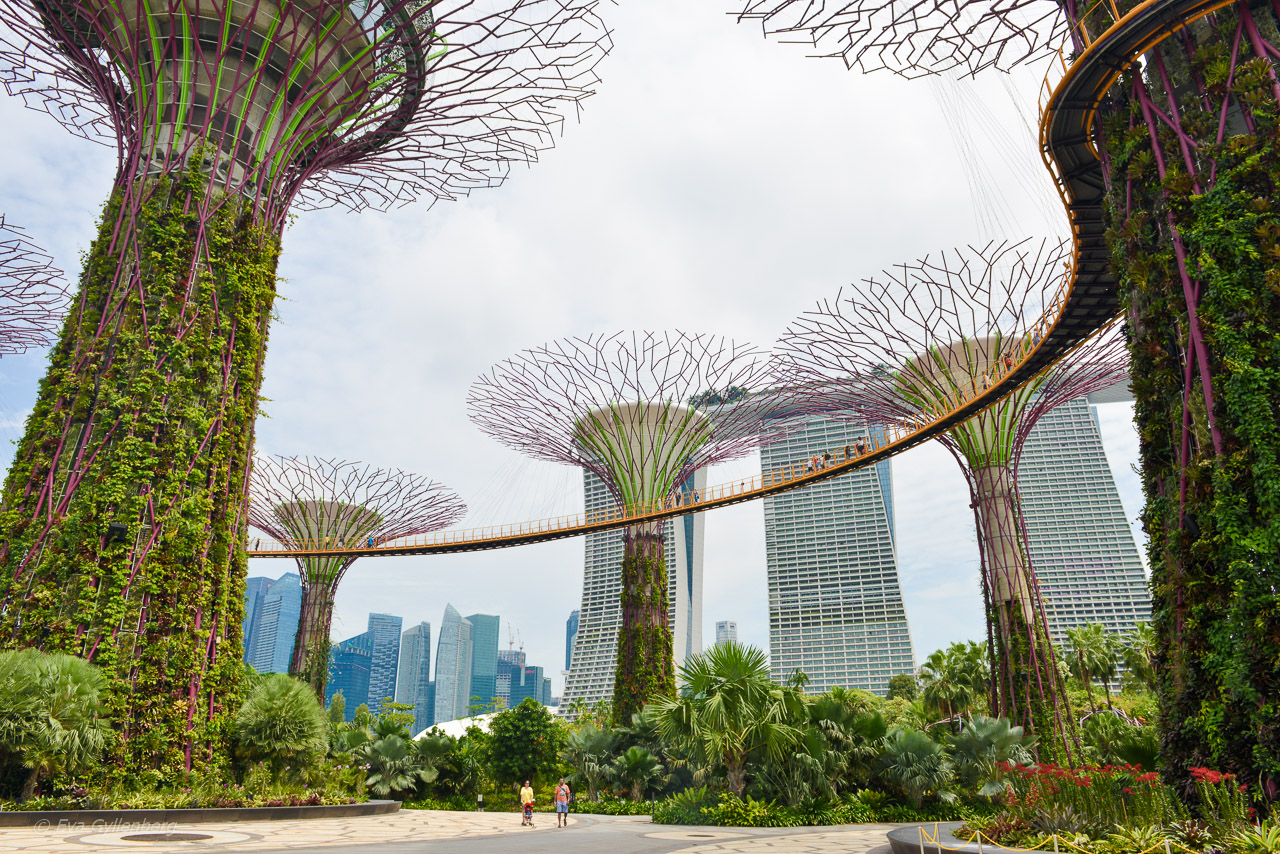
[1193, 165]
[1026, 686]
[310, 660]
[123, 522]
[645, 667]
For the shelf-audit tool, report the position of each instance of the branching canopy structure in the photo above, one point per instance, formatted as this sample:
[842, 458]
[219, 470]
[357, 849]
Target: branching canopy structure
[914, 341]
[642, 411]
[123, 519]
[309, 503]
[915, 39]
[33, 296]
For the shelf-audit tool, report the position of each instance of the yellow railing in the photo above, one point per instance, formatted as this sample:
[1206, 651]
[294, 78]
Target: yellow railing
[1055, 843]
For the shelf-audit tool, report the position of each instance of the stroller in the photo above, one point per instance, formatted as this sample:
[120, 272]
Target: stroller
[528, 814]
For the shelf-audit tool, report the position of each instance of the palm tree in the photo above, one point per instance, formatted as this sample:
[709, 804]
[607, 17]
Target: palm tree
[49, 706]
[1139, 652]
[283, 724]
[917, 765]
[396, 766]
[636, 770]
[953, 679]
[984, 743]
[1096, 651]
[728, 709]
[588, 753]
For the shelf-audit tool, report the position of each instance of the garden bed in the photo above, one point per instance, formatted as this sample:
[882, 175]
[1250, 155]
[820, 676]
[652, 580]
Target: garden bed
[112, 818]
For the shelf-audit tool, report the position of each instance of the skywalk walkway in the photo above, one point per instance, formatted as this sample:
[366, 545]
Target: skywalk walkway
[1086, 302]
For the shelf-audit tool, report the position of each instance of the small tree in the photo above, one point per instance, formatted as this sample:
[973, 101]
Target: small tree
[49, 719]
[637, 770]
[281, 723]
[524, 743]
[338, 709]
[902, 685]
[916, 765]
[589, 753]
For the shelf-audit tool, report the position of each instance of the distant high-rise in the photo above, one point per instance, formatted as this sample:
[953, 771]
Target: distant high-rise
[570, 635]
[484, 659]
[726, 630]
[413, 681]
[349, 664]
[592, 663]
[255, 590]
[835, 601]
[385, 659]
[510, 667]
[532, 684]
[271, 621]
[453, 667]
[276, 625]
[1082, 548]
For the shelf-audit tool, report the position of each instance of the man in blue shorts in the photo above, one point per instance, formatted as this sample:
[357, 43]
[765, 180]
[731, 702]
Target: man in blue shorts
[562, 804]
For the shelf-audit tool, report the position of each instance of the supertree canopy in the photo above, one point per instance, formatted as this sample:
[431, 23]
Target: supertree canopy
[311, 504]
[123, 521]
[642, 412]
[1186, 136]
[916, 342]
[33, 296]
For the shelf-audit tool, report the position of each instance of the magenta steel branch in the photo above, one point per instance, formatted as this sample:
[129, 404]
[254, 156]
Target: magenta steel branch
[335, 103]
[914, 38]
[304, 503]
[916, 341]
[33, 297]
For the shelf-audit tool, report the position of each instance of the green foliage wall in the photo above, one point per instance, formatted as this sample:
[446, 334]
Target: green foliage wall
[645, 662]
[1213, 520]
[122, 527]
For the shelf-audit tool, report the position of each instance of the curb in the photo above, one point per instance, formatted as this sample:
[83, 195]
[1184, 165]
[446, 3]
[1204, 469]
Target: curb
[939, 837]
[109, 818]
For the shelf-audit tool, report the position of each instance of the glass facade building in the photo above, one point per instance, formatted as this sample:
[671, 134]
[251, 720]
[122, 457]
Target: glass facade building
[726, 630]
[510, 665]
[413, 682]
[484, 659]
[570, 635]
[1081, 546]
[349, 664]
[835, 600]
[453, 667]
[385, 658]
[271, 622]
[595, 647]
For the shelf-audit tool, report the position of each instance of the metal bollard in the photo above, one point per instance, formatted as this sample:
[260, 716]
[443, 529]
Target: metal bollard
[921, 831]
[979, 842]
[1055, 843]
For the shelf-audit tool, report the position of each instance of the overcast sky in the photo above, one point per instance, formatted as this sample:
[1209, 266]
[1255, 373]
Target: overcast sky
[715, 183]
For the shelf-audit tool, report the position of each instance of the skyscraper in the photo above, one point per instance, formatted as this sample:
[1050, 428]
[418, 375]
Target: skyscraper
[592, 662]
[413, 681]
[570, 635]
[349, 663]
[510, 667]
[453, 667]
[835, 602]
[1081, 545]
[275, 624]
[384, 658]
[726, 630]
[484, 659]
[255, 590]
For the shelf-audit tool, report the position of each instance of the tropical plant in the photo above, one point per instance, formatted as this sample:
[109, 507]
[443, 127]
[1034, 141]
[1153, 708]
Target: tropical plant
[282, 724]
[902, 685]
[396, 766]
[916, 765]
[1262, 839]
[728, 709]
[954, 679]
[589, 751]
[636, 771]
[1139, 652]
[979, 748]
[1094, 653]
[49, 718]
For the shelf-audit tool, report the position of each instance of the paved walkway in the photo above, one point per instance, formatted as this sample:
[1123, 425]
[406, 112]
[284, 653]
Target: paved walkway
[438, 832]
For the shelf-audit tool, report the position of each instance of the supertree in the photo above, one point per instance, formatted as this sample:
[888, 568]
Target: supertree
[916, 342]
[642, 411]
[1169, 167]
[316, 503]
[33, 296]
[123, 521]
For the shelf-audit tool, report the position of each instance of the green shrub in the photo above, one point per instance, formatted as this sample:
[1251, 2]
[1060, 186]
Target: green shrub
[685, 807]
[916, 765]
[1263, 839]
[610, 805]
[283, 725]
[733, 811]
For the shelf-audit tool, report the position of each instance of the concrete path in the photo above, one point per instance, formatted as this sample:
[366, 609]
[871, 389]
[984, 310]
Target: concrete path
[437, 832]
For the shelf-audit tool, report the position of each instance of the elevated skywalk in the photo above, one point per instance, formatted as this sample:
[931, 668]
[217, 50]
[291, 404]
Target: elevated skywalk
[1086, 302]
